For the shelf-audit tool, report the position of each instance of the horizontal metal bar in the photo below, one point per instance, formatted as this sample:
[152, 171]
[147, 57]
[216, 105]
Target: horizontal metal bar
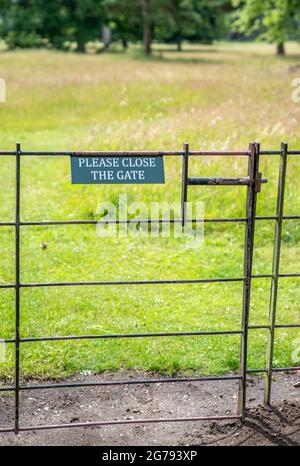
[285, 369]
[150, 153]
[127, 153]
[128, 382]
[287, 325]
[273, 217]
[9, 285]
[122, 382]
[266, 217]
[128, 421]
[141, 153]
[131, 335]
[289, 275]
[8, 429]
[219, 153]
[8, 389]
[171, 221]
[116, 222]
[8, 152]
[136, 382]
[275, 369]
[137, 282]
[7, 224]
[279, 152]
[135, 335]
[132, 282]
[219, 181]
[259, 327]
[270, 152]
[256, 371]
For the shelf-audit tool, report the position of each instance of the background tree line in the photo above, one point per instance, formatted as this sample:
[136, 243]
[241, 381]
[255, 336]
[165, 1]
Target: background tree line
[60, 23]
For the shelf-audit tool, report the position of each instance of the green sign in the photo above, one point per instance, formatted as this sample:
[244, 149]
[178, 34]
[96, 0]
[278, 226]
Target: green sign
[117, 170]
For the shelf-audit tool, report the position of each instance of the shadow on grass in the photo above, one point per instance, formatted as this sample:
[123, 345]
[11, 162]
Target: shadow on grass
[161, 58]
[186, 50]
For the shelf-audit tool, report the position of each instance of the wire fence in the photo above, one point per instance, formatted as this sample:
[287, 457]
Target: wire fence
[252, 182]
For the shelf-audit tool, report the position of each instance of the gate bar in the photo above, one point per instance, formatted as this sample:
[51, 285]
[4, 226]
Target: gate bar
[143, 153]
[275, 270]
[129, 382]
[242, 181]
[137, 382]
[144, 282]
[254, 175]
[17, 286]
[145, 335]
[128, 153]
[184, 183]
[176, 220]
[129, 421]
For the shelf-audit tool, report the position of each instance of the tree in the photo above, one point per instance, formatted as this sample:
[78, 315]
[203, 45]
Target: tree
[194, 20]
[124, 19]
[59, 23]
[147, 13]
[178, 20]
[85, 19]
[270, 20]
[21, 23]
[31, 23]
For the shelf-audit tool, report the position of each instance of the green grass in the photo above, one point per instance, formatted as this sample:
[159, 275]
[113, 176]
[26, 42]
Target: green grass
[218, 97]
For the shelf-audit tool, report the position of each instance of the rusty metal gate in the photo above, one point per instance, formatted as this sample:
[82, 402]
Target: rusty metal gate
[252, 182]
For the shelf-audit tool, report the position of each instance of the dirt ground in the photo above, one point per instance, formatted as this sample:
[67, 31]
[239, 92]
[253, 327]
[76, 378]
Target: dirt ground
[277, 425]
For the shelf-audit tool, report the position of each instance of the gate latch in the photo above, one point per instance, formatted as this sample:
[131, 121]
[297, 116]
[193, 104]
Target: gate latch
[258, 181]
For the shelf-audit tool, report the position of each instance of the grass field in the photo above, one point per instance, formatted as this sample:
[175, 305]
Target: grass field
[218, 97]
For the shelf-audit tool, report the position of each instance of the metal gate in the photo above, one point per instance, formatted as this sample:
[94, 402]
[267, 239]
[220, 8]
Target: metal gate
[252, 181]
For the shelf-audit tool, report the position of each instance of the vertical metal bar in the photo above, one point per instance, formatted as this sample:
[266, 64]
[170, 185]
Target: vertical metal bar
[253, 173]
[17, 286]
[185, 168]
[275, 270]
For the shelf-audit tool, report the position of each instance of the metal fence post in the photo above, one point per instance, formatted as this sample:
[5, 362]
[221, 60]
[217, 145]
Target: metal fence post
[17, 286]
[253, 188]
[185, 168]
[275, 270]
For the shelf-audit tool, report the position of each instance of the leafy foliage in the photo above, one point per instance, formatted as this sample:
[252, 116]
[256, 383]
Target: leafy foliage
[30, 23]
[272, 20]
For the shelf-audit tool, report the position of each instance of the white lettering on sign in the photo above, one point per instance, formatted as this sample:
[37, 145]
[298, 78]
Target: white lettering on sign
[131, 175]
[96, 162]
[127, 162]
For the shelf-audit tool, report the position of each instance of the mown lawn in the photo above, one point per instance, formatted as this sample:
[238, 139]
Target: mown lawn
[218, 97]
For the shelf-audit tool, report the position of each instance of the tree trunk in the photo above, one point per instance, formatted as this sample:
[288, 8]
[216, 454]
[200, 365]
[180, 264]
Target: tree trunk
[124, 43]
[179, 45]
[80, 46]
[280, 49]
[147, 39]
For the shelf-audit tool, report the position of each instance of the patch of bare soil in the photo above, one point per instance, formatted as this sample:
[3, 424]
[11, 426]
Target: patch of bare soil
[277, 425]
